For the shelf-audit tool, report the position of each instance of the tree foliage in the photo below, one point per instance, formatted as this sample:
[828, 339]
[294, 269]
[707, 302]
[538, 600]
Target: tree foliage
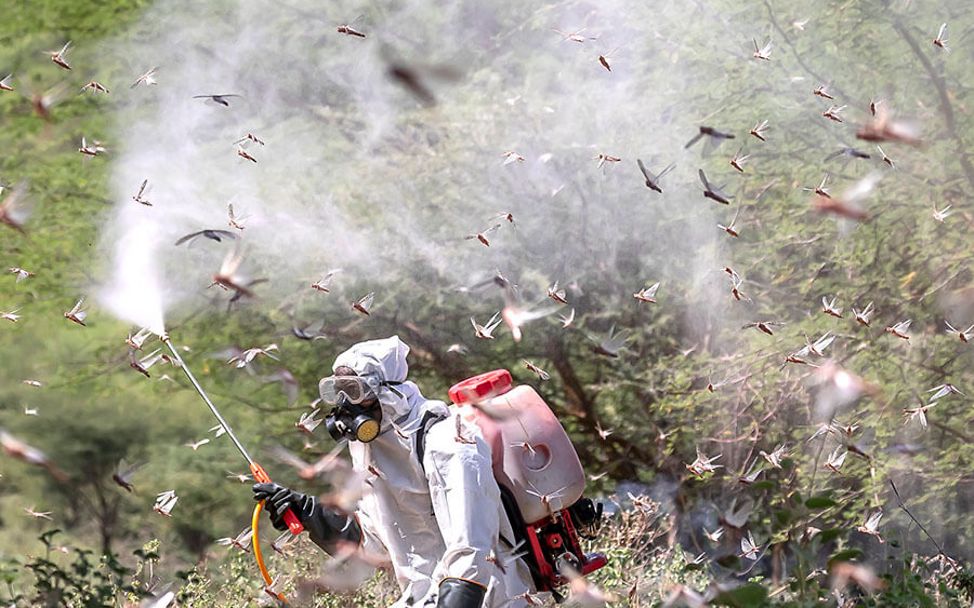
[688, 379]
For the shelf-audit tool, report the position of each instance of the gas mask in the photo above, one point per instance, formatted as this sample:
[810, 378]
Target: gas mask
[356, 415]
[354, 421]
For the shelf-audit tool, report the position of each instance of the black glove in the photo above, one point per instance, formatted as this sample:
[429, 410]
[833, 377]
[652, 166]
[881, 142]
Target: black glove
[459, 593]
[326, 527]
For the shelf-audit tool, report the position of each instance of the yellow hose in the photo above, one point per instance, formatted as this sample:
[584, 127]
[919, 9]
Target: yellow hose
[259, 556]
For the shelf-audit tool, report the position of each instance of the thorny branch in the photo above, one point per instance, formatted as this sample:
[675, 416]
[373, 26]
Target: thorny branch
[808, 69]
[945, 106]
[907, 511]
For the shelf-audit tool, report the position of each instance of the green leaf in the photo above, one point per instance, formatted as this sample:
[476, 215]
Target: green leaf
[783, 516]
[829, 535]
[845, 556]
[820, 501]
[751, 594]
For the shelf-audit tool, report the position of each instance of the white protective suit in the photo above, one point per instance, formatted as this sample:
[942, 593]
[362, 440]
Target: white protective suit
[443, 519]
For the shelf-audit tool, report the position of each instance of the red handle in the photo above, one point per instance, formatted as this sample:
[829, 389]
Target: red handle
[292, 521]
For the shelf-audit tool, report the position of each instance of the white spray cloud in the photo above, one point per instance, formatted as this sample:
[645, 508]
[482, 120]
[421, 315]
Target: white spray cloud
[356, 174]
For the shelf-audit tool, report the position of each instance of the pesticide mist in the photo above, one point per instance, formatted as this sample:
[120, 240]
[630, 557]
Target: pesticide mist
[792, 357]
[352, 175]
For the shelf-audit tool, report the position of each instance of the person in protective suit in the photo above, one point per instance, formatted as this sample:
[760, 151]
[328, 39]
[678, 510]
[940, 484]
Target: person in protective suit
[435, 512]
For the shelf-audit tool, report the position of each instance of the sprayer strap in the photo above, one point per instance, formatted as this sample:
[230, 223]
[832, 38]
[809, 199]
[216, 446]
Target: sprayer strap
[428, 420]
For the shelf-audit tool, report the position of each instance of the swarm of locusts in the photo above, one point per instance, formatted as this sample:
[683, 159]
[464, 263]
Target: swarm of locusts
[878, 129]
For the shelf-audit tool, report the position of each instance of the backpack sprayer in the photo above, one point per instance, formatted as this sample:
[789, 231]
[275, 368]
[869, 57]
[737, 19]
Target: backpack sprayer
[539, 474]
[258, 472]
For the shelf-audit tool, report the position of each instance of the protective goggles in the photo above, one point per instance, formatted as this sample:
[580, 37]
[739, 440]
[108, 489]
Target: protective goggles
[351, 389]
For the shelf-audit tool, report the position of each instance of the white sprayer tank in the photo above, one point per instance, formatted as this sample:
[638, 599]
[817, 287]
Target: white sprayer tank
[532, 454]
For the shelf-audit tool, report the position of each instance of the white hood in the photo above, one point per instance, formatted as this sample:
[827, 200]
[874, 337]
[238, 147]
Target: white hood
[384, 359]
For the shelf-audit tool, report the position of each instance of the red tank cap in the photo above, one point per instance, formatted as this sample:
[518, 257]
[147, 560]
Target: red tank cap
[482, 387]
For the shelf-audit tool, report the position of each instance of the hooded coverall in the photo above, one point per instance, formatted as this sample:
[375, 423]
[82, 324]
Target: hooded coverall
[439, 520]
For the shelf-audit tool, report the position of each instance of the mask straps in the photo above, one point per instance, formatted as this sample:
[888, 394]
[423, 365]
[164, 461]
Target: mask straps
[390, 384]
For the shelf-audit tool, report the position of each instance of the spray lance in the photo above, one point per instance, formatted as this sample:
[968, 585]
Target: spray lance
[258, 472]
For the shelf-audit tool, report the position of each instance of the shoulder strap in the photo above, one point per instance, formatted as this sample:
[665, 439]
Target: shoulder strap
[428, 420]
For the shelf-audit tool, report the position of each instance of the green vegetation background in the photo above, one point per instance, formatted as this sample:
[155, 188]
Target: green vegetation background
[94, 411]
